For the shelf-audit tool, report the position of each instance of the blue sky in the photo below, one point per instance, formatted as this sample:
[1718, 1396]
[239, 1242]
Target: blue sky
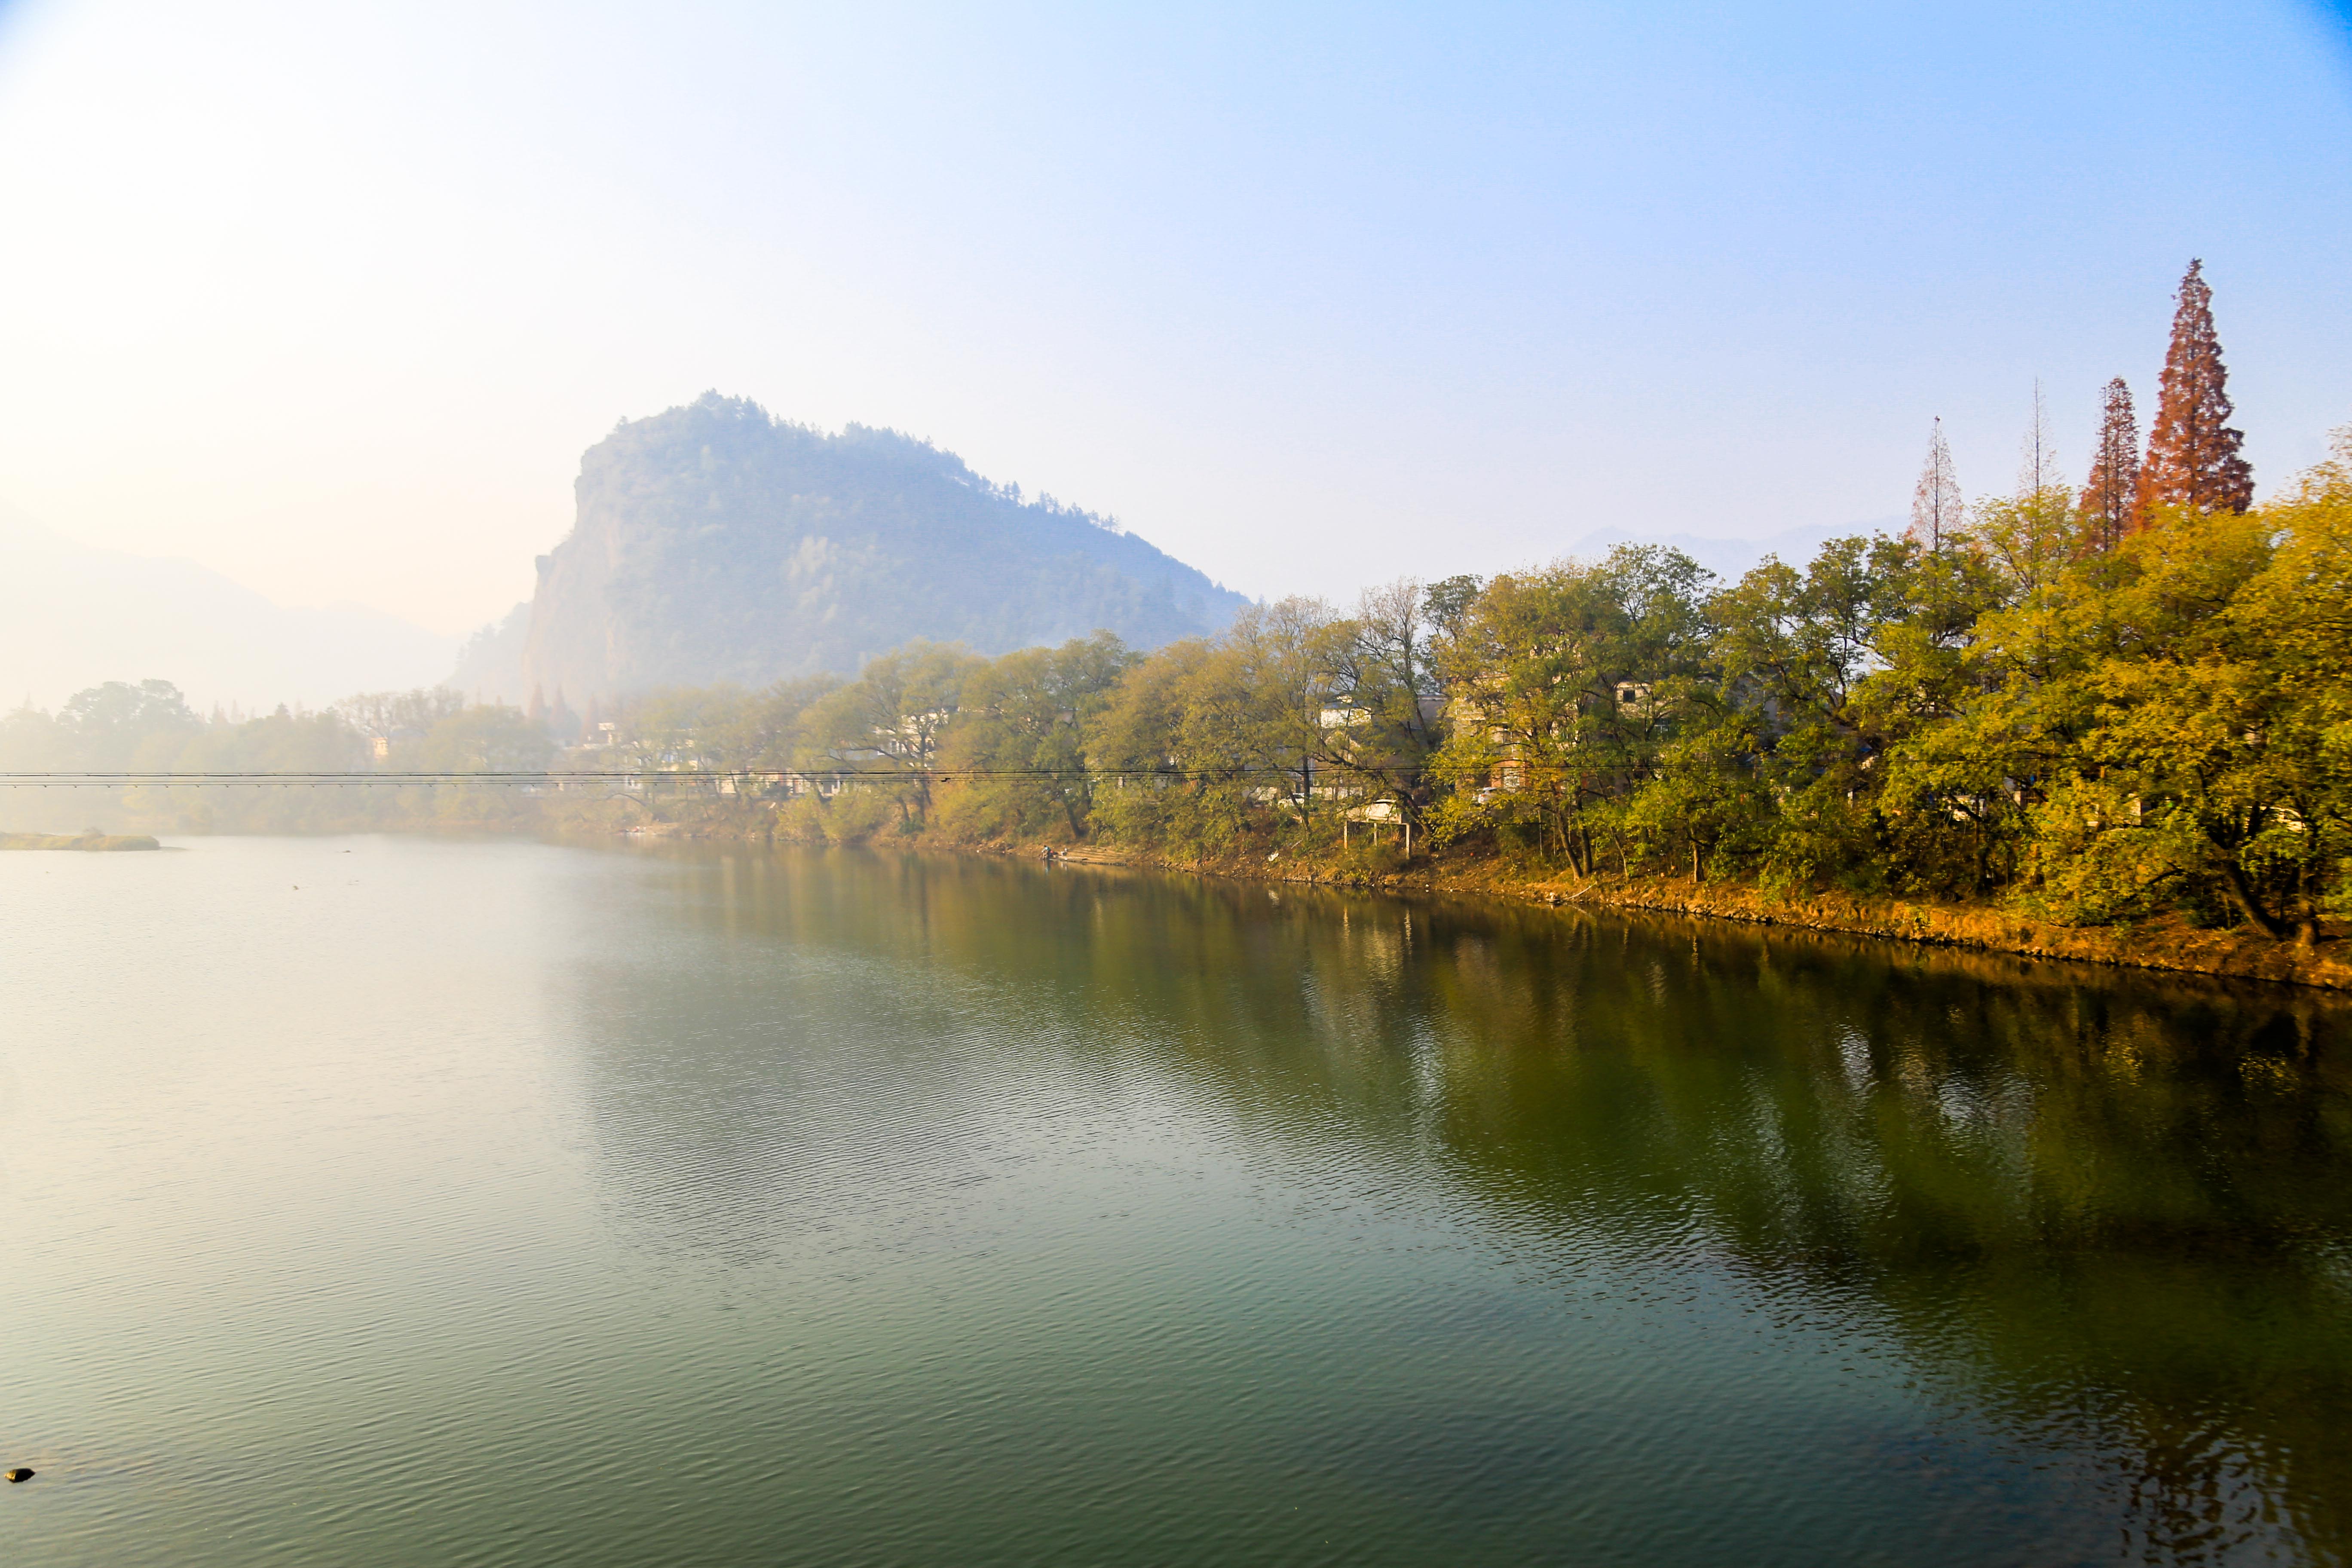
[331, 297]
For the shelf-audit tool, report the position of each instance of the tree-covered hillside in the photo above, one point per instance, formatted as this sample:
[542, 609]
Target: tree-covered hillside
[713, 543]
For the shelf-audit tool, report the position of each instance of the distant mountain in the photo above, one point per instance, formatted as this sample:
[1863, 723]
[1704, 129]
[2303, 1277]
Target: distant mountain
[1730, 559]
[71, 617]
[713, 543]
[489, 663]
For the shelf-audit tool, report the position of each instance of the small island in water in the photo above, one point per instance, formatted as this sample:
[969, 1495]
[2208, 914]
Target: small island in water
[91, 839]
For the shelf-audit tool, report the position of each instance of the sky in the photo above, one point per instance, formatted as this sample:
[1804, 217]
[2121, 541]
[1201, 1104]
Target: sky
[331, 297]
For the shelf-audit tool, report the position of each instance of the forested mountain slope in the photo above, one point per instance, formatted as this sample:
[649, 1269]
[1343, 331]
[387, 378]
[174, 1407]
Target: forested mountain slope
[714, 544]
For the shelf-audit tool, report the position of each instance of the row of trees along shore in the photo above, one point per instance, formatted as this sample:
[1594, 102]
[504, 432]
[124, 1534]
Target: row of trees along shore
[2125, 702]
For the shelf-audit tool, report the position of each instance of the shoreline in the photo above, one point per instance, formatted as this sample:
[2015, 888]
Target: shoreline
[2168, 947]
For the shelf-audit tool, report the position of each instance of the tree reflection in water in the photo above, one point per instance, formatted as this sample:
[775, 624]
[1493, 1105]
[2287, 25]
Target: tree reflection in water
[2106, 1212]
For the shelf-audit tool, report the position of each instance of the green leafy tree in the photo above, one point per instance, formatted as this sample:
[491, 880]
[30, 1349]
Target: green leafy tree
[32, 740]
[702, 729]
[886, 727]
[1793, 647]
[1566, 685]
[1383, 722]
[1016, 756]
[1143, 794]
[120, 727]
[486, 740]
[1208, 746]
[2215, 772]
[278, 742]
[1945, 810]
[399, 717]
[1250, 729]
[771, 731]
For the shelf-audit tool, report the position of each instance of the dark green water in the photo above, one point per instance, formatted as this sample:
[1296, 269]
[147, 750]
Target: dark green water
[378, 1201]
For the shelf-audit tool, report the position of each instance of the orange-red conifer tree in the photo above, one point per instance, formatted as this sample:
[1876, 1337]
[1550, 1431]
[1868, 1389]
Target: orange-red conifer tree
[2111, 495]
[2192, 453]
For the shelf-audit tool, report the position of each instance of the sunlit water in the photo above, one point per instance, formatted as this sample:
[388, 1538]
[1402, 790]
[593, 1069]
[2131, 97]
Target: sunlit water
[384, 1201]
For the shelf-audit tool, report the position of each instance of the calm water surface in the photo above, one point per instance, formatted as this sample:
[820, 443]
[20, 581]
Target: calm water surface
[382, 1201]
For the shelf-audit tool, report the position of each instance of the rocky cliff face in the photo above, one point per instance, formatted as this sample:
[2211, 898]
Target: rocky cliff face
[715, 543]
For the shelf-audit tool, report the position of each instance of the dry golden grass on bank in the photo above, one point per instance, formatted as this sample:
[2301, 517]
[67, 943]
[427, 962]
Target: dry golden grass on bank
[2158, 944]
[2169, 944]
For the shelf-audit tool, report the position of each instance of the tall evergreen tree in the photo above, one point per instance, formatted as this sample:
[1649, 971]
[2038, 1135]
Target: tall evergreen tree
[2111, 495]
[1936, 506]
[2192, 453]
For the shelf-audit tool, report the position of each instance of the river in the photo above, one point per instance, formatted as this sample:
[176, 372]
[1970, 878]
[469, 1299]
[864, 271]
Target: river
[394, 1199]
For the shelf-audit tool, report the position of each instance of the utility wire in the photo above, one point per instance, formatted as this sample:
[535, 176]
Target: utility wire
[767, 776]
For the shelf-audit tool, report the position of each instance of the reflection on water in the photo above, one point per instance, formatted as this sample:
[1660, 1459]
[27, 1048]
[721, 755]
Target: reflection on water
[715, 1206]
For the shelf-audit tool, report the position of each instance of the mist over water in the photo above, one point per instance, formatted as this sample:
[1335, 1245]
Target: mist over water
[379, 1200]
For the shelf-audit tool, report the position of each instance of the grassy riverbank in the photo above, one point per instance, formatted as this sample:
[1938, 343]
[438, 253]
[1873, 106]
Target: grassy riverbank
[2167, 944]
[2171, 942]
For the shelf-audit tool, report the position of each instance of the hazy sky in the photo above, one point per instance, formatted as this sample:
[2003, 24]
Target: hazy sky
[332, 297]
